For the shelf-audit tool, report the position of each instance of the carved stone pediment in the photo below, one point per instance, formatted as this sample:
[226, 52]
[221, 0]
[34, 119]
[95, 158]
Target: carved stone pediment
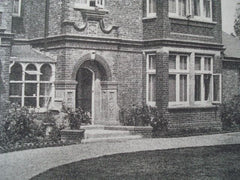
[89, 15]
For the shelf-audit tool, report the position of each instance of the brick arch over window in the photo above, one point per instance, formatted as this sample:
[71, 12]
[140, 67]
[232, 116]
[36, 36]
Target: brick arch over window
[99, 59]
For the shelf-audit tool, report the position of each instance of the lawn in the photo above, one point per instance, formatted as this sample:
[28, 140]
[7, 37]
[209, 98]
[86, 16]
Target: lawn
[218, 162]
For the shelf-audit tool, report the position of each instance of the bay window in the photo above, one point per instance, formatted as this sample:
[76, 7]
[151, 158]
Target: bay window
[178, 79]
[151, 8]
[197, 9]
[151, 79]
[199, 79]
[191, 80]
[31, 85]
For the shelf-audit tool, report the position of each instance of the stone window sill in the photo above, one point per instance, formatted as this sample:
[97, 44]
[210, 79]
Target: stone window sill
[149, 18]
[193, 107]
[193, 19]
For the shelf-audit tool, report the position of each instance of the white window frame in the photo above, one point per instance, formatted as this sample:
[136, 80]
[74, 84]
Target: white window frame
[98, 3]
[178, 72]
[19, 9]
[23, 83]
[189, 13]
[149, 72]
[154, 14]
[203, 72]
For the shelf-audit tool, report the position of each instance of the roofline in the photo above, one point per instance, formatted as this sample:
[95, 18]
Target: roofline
[231, 59]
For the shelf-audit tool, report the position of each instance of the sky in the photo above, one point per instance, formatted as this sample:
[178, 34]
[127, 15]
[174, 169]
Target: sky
[228, 14]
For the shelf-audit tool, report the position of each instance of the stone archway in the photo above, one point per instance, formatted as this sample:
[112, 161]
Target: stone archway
[95, 92]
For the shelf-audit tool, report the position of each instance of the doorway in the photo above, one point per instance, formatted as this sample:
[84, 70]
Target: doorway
[84, 91]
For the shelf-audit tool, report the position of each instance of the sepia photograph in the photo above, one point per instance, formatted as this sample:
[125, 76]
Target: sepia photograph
[119, 89]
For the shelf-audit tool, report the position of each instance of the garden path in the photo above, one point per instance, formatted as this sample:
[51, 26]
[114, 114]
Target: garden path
[28, 163]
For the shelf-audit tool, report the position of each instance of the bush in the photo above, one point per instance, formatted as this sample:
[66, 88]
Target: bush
[136, 116]
[230, 113]
[19, 126]
[143, 116]
[158, 122]
[76, 117]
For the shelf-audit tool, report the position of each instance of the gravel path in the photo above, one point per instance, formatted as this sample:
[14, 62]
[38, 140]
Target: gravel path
[26, 164]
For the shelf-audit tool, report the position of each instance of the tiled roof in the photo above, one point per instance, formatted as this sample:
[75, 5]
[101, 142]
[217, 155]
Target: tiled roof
[232, 45]
[25, 53]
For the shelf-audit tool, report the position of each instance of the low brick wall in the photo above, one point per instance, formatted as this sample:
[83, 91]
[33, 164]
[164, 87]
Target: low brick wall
[72, 135]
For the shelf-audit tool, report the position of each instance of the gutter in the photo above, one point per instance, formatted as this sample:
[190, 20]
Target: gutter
[46, 24]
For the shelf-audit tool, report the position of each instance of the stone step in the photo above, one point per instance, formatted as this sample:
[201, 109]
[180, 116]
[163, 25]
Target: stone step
[145, 131]
[98, 133]
[112, 139]
[91, 127]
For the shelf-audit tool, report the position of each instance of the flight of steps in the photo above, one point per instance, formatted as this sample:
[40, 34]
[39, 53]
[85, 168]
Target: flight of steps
[98, 133]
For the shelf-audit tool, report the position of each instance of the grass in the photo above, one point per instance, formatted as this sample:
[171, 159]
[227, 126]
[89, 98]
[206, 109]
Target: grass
[218, 162]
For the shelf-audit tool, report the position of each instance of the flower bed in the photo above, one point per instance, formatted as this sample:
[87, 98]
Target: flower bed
[25, 146]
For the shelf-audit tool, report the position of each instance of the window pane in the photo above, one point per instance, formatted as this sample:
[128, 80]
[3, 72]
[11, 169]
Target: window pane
[31, 67]
[92, 3]
[196, 7]
[30, 77]
[31, 73]
[30, 89]
[183, 88]
[1, 18]
[198, 63]
[172, 88]
[16, 73]
[45, 89]
[15, 100]
[216, 88]
[182, 8]
[172, 62]
[16, 6]
[197, 87]
[207, 64]
[152, 62]
[15, 89]
[206, 8]
[183, 62]
[207, 80]
[46, 72]
[30, 101]
[152, 87]
[152, 6]
[172, 6]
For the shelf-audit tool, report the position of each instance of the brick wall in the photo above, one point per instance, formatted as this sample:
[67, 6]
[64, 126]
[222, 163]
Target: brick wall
[5, 50]
[5, 8]
[230, 79]
[125, 14]
[31, 22]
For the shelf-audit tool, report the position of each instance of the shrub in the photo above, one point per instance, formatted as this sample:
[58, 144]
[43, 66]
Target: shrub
[143, 116]
[230, 113]
[76, 117]
[158, 121]
[136, 116]
[19, 126]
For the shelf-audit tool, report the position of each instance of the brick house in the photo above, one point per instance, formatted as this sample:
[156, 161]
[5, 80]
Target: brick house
[103, 55]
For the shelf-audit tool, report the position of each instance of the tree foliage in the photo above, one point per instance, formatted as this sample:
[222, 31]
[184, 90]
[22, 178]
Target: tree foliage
[237, 24]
